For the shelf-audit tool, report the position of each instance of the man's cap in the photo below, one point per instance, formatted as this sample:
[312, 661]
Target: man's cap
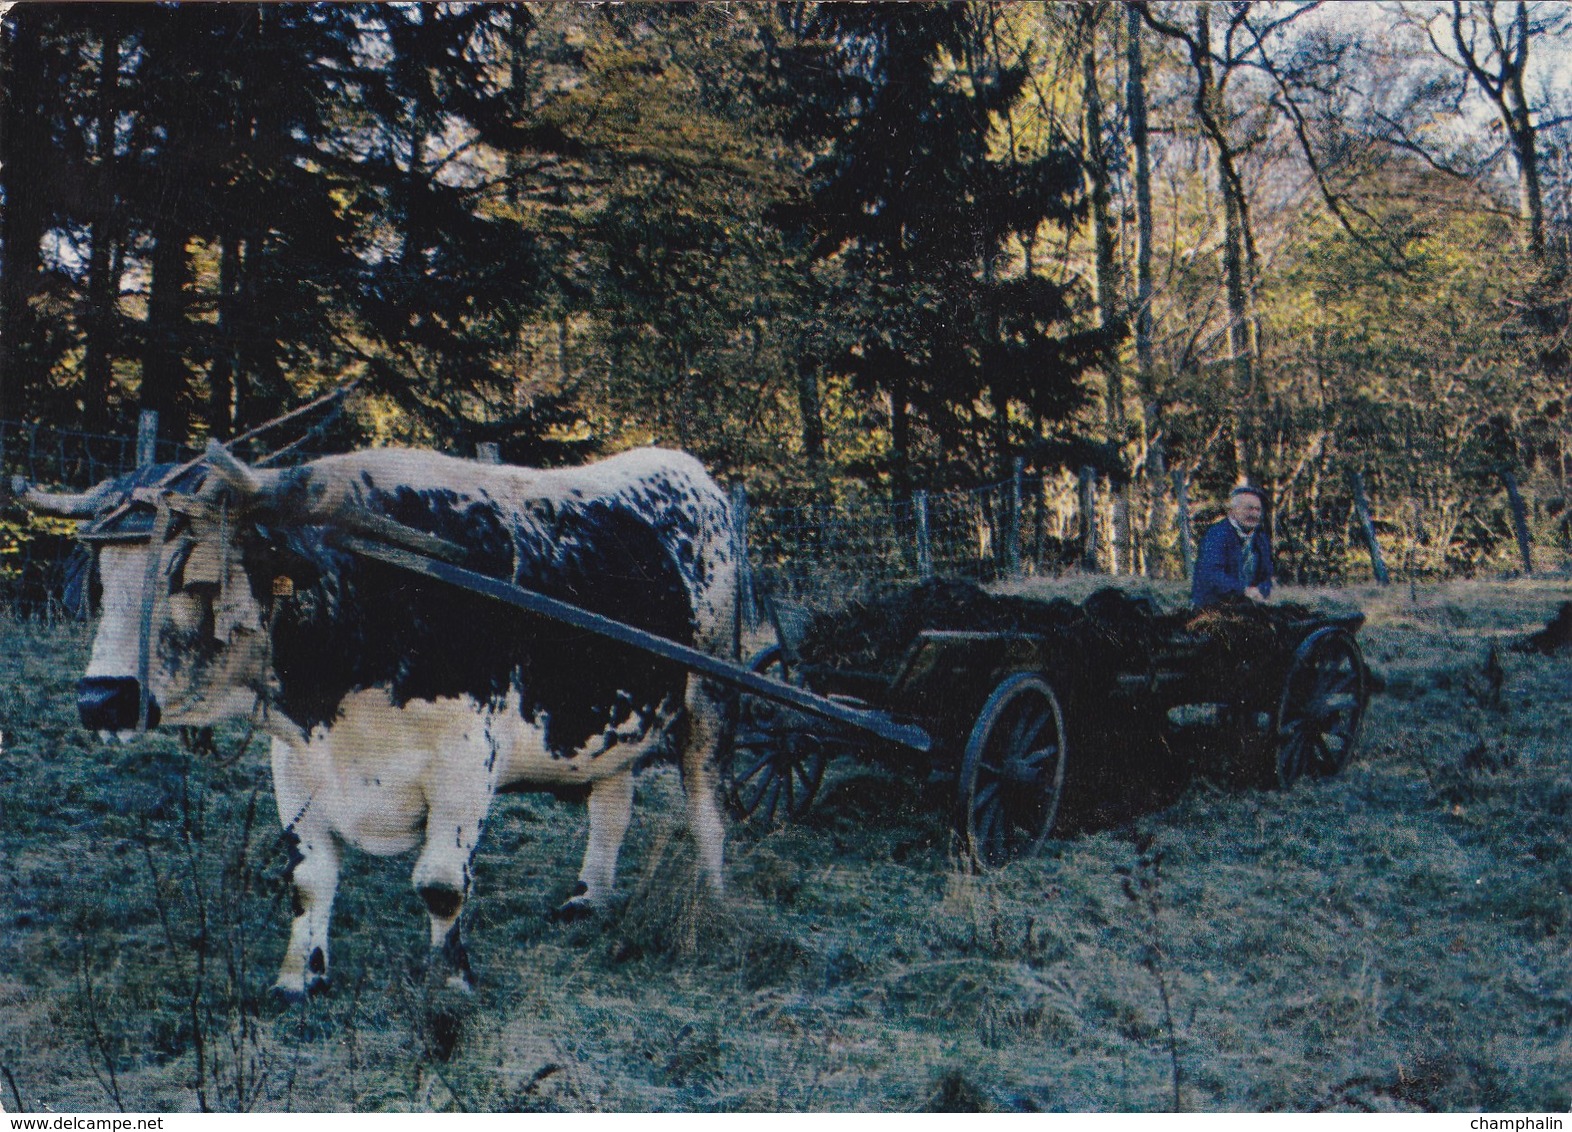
[1247, 489]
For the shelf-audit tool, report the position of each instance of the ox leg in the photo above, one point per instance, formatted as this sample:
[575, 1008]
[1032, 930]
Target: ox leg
[313, 878]
[454, 820]
[610, 808]
[705, 728]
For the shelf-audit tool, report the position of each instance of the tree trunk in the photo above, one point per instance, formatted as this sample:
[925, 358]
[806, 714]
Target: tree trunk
[1153, 440]
[226, 371]
[1089, 519]
[1135, 100]
[1239, 343]
[1001, 429]
[1238, 246]
[900, 444]
[1102, 236]
[1182, 508]
[687, 402]
[259, 382]
[164, 374]
[103, 284]
[1520, 128]
[1109, 286]
[811, 411]
[25, 216]
[521, 22]
[1503, 85]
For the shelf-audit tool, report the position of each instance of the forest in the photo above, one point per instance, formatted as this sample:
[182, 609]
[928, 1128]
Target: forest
[1005, 290]
[832, 249]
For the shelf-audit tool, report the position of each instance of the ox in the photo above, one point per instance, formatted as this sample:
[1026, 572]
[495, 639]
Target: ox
[398, 706]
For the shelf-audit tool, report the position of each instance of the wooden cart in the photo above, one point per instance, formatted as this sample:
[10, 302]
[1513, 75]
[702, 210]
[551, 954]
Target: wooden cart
[1002, 711]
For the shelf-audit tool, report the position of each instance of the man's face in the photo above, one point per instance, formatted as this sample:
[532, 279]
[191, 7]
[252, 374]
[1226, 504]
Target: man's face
[1245, 510]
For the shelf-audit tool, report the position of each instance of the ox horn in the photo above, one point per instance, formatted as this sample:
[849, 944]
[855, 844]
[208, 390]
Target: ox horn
[66, 505]
[234, 472]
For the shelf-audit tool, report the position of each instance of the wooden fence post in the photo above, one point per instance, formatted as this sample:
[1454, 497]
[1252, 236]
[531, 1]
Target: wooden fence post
[147, 438]
[1519, 520]
[1182, 508]
[924, 541]
[1367, 528]
[1089, 519]
[1012, 544]
[488, 452]
[747, 614]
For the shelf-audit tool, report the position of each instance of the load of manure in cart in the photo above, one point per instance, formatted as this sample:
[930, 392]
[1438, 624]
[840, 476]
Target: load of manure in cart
[1112, 631]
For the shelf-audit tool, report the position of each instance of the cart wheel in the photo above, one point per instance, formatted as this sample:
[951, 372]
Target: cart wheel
[1323, 702]
[1012, 774]
[776, 760]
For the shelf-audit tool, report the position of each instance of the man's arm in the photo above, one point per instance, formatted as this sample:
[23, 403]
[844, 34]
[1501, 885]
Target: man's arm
[1267, 571]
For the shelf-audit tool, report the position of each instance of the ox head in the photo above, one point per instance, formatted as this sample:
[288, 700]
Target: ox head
[182, 637]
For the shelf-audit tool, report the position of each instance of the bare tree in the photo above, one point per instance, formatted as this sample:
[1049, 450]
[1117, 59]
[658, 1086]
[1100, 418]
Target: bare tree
[1216, 56]
[1097, 174]
[1110, 298]
[1489, 42]
[1212, 71]
[1135, 108]
[1152, 439]
[1307, 87]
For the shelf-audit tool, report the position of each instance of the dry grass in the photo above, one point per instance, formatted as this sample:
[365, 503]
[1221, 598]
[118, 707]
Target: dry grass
[1393, 939]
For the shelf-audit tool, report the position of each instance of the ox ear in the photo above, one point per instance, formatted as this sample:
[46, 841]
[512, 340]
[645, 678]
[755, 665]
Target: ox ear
[243, 479]
[66, 505]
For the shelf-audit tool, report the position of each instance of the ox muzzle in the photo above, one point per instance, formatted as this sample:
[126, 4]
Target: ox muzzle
[112, 703]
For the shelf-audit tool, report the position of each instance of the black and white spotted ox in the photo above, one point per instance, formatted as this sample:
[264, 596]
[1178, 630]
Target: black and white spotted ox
[397, 706]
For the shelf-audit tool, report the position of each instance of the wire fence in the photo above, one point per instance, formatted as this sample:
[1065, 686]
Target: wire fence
[66, 458]
[43, 571]
[813, 555]
[1055, 523]
[41, 566]
[816, 554]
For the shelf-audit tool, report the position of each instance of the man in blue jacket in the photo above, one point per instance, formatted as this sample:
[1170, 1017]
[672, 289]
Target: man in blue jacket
[1236, 556]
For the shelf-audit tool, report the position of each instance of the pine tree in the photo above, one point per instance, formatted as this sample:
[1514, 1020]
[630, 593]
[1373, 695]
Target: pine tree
[35, 64]
[446, 278]
[914, 214]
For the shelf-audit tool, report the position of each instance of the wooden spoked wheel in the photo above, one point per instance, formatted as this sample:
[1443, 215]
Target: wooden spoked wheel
[1322, 704]
[1012, 774]
[776, 760]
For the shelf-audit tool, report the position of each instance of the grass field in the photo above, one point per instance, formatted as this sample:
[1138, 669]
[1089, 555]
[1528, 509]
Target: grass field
[1393, 939]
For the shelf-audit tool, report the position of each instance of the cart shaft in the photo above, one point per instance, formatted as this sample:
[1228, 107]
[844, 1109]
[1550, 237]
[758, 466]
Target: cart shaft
[872, 722]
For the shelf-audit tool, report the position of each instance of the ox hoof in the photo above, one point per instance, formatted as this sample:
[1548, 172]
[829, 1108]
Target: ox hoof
[572, 911]
[287, 996]
[281, 1000]
[441, 1033]
[441, 979]
[441, 1025]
